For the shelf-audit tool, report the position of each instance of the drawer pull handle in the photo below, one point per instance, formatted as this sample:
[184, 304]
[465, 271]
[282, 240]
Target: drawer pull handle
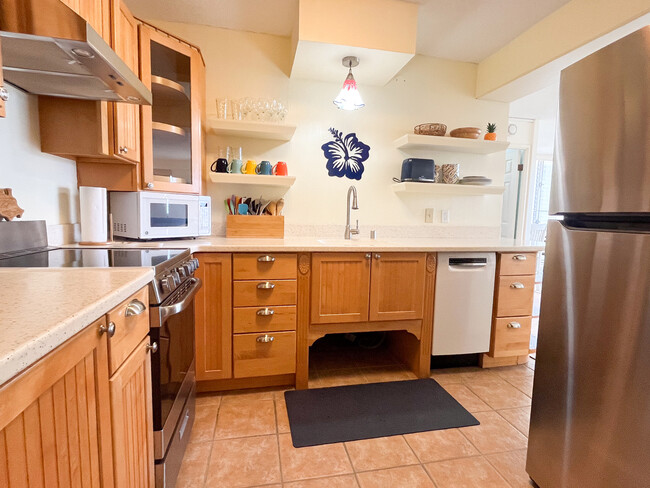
[267, 285]
[265, 311]
[153, 347]
[265, 259]
[519, 257]
[135, 307]
[517, 285]
[110, 329]
[265, 338]
[514, 325]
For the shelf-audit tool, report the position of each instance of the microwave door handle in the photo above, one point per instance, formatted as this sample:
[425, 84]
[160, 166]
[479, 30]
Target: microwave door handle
[166, 311]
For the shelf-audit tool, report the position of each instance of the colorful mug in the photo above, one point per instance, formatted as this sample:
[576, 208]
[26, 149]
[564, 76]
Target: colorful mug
[250, 167]
[280, 169]
[219, 166]
[264, 168]
[236, 166]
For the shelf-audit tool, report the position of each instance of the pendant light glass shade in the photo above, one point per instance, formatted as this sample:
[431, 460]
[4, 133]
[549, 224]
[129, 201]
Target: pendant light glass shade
[349, 97]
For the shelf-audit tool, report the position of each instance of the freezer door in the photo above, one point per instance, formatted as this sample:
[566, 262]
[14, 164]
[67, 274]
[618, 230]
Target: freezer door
[590, 419]
[602, 160]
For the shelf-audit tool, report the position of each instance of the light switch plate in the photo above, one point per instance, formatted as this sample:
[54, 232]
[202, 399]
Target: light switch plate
[428, 216]
[444, 216]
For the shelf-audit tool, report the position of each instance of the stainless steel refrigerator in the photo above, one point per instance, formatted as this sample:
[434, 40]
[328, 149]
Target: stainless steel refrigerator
[590, 419]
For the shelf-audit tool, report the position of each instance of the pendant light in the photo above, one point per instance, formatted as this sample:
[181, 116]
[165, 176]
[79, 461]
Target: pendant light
[349, 97]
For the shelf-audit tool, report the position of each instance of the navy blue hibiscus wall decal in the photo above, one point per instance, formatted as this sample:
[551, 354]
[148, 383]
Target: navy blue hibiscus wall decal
[345, 155]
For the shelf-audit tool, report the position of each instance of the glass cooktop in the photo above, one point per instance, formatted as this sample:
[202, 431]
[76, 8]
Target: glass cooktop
[91, 258]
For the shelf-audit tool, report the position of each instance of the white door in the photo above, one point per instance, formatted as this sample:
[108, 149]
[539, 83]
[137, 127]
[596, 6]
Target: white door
[512, 181]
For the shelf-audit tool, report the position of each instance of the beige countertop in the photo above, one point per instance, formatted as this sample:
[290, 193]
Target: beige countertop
[40, 308]
[313, 244]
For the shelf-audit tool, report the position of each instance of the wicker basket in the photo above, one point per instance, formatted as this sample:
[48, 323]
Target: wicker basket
[431, 129]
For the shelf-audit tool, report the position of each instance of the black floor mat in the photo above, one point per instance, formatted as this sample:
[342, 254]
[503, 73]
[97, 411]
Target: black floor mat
[349, 413]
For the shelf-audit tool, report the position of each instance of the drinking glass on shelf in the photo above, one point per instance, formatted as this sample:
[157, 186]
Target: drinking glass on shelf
[237, 109]
[224, 108]
[234, 152]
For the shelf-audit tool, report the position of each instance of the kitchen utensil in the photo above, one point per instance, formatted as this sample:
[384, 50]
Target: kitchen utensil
[219, 166]
[279, 206]
[250, 167]
[235, 166]
[270, 208]
[280, 169]
[431, 129]
[264, 168]
[466, 132]
[450, 173]
[242, 209]
[227, 204]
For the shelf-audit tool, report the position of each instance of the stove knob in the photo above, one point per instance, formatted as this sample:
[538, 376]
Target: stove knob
[167, 284]
[182, 272]
[189, 269]
[176, 277]
[196, 263]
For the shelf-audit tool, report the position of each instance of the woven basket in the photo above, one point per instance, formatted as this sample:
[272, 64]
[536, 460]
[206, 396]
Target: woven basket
[431, 129]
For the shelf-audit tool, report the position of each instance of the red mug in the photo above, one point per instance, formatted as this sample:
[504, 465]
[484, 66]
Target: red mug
[281, 169]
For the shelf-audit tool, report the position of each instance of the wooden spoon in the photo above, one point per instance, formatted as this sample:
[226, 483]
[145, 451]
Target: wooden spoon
[270, 208]
[279, 207]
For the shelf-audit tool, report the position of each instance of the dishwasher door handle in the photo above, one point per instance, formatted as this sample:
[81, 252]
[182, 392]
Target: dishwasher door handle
[468, 265]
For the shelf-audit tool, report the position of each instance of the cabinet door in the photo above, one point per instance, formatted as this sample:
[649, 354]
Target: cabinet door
[132, 420]
[55, 427]
[213, 313]
[340, 289]
[126, 116]
[397, 286]
[96, 12]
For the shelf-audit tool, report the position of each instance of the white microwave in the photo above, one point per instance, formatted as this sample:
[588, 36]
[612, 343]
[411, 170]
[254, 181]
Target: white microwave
[152, 215]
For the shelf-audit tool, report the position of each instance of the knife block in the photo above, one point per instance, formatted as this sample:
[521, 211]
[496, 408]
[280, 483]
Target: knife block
[271, 226]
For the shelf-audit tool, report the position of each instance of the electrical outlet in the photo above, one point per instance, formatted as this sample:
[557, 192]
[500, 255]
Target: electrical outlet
[428, 216]
[444, 216]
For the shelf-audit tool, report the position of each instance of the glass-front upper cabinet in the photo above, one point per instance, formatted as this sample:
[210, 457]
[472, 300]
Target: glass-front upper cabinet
[172, 149]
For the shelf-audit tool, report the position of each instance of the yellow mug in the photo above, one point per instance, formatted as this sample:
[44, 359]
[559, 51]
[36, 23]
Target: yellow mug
[250, 167]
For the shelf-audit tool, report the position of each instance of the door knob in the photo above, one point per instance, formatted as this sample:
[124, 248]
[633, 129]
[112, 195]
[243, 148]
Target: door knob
[110, 329]
[368, 255]
[153, 347]
[124, 149]
[377, 256]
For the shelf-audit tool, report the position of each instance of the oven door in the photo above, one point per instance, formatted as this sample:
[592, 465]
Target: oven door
[172, 368]
[168, 215]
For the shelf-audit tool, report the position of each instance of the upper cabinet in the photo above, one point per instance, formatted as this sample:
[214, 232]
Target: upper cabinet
[172, 127]
[96, 12]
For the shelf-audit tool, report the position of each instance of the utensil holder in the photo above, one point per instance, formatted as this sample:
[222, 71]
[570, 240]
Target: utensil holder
[271, 226]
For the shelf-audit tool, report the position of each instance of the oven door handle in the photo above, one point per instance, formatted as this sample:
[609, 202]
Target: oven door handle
[169, 310]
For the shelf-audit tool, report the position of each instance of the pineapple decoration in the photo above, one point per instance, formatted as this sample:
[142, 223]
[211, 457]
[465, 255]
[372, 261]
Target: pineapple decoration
[491, 134]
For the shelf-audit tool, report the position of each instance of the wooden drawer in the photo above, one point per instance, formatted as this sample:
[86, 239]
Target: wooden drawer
[131, 325]
[252, 357]
[252, 293]
[510, 336]
[260, 319]
[271, 266]
[517, 263]
[514, 295]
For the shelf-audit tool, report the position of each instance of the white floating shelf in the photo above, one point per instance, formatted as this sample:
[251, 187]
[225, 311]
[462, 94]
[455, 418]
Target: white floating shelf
[254, 180]
[252, 130]
[443, 189]
[449, 144]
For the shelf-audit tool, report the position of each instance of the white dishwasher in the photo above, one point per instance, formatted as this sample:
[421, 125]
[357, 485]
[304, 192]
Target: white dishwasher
[462, 318]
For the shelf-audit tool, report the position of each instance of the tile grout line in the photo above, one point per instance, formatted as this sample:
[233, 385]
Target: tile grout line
[497, 470]
[214, 430]
[277, 440]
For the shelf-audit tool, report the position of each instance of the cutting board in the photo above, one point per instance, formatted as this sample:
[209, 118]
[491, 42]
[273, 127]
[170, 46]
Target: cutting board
[9, 208]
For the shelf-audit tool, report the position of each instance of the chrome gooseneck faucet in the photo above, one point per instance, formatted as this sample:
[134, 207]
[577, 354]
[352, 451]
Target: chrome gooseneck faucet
[352, 192]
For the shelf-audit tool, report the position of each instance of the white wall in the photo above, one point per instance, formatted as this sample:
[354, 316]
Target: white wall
[427, 90]
[44, 185]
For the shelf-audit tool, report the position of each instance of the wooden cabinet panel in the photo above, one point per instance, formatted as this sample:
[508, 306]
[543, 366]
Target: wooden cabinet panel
[516, 263]
[131, 320]
[340, 288]
[132, 420]
[55, 418]
[261, 319]
[213, 309]
[263, 266]
[126, 116]
[510, 336]
[514, 295]
[264, 292]
[96, 12]
[397, 286]
[252, 357]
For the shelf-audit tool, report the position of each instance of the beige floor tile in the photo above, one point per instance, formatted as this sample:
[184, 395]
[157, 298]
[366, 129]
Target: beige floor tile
[208, 399]
[494, 434]
[244, 396]
[474, 472]
[512, 466]
[444, 378]
[523, 384]
[242, 419]
[347, 481]
[466, 398]
[404, 477]
[244, 462]
[339, 377]
[388, 373]
[282, 416]
[498, 393]
[312, 462]
[514, 372]
[194, 466]
[519, 417]
[438, 445]
[478, 374]
[380, 453]
[204, 422]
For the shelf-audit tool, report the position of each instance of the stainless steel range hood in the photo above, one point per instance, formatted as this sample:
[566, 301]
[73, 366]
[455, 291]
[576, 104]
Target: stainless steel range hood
[47, 49]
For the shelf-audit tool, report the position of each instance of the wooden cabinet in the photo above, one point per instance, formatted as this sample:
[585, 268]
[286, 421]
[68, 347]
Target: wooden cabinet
[361, 287]
[96, 12]
[132, 420]
[55, 418]
[264, 354]
[213, 309]
[340, 288]
[130, 321]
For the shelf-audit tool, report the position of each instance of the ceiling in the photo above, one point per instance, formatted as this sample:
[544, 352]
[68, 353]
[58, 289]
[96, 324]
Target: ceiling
[463, 30]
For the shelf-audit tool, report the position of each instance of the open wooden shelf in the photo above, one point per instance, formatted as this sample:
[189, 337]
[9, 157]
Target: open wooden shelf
[254, 180]
[443, 189]
[251, 130]
[448, 144]
[169, 89]
[172, 129]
